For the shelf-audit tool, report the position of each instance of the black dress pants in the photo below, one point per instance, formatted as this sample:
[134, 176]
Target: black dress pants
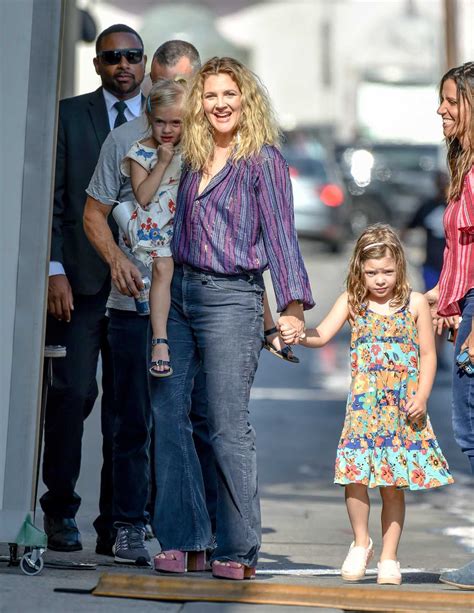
[127, 335]
[70, 400]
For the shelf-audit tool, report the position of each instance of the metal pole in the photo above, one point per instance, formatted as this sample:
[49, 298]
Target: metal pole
[68, 48]
[450, 33]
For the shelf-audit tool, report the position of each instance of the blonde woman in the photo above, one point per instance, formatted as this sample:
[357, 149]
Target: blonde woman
[234, 219]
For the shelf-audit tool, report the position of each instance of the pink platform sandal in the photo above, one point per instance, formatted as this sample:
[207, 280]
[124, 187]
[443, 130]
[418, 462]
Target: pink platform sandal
[225, 569]
[176, 561]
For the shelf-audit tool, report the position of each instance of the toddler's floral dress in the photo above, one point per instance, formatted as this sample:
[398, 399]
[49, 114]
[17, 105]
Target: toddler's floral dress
[150, 228]
[379, 445]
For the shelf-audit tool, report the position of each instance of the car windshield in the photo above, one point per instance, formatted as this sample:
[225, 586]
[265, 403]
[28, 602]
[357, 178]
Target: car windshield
[406, 158]
[306, 165]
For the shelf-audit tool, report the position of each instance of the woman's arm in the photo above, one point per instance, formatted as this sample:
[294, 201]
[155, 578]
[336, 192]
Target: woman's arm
[416, 406]
[438, 322]
[275, 203]
[329, 327]
[432, 296]
[145, 184]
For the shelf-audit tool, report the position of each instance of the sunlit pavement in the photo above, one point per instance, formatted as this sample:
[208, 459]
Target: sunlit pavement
[298, 412]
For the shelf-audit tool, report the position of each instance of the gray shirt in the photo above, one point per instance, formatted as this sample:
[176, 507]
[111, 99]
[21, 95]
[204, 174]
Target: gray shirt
[108, 185]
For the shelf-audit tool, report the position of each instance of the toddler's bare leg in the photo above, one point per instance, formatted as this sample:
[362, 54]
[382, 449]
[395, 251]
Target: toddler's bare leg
[160, 300]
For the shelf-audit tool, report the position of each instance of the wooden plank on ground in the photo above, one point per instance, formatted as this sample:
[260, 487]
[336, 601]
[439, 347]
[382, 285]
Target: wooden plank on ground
[185, 589]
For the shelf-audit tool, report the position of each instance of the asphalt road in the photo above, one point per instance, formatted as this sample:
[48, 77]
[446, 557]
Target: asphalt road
[297, 411]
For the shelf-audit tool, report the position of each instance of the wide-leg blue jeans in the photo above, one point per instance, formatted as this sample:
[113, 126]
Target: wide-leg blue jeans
[463, 386]
[215, 323]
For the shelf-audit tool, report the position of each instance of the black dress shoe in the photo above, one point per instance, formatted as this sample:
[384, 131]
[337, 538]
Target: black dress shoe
[105, 542]
[62, 533]
[104, 546]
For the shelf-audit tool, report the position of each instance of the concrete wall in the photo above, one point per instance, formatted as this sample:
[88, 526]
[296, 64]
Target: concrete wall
[30, 35]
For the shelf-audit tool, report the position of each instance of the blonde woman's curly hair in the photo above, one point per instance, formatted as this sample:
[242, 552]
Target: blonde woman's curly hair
[165, 92]
[257, 124]
[374, 243]
[461, 158]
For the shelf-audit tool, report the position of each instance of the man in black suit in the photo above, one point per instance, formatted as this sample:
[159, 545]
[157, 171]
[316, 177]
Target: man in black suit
[79, 285]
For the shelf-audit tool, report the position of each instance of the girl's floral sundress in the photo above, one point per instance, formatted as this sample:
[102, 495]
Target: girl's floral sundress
[379, 446]
[151, 229]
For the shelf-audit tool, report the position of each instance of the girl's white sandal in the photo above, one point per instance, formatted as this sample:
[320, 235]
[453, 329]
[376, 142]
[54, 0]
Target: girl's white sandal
[389, 573]
[356, 562]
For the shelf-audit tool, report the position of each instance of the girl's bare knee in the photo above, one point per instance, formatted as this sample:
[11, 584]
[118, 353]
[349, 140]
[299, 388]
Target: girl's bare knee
[391, 493]
[355, 490]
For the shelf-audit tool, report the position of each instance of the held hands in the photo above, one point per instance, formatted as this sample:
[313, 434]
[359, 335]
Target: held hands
[439, 323]
[432, 296]
[416, 408]
[291, 324]
[60, 300]
[126, 276]
[289, 334]
[165, 153]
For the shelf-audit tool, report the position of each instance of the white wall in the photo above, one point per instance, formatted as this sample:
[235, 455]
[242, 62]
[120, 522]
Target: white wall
[285, 42]
[104, 15]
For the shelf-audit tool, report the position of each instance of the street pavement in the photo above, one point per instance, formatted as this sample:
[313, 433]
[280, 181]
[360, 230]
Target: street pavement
[298, 411]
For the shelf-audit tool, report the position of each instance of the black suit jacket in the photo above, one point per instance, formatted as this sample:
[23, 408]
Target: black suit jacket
[82, 128]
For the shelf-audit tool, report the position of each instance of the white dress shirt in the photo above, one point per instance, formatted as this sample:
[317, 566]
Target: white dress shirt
[133, 110]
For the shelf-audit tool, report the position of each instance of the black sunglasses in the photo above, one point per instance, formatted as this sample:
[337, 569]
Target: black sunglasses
[113, 57]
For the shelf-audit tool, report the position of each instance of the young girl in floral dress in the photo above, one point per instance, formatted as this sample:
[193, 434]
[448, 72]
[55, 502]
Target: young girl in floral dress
[154, 167]
[387, 440]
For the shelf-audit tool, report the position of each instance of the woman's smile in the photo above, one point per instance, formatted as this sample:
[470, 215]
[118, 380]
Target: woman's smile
[222, 101]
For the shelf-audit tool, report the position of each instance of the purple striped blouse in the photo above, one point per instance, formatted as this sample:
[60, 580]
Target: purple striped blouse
[243, 222]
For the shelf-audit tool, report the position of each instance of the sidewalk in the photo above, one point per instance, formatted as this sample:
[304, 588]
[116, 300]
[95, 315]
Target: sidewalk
[306, 536]
[306, 532]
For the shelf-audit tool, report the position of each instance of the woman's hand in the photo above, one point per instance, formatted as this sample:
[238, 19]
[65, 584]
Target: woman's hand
[451, 322]
[288, 334]
[469, 343]
[440, 323]
[416, 408]
[291, 323]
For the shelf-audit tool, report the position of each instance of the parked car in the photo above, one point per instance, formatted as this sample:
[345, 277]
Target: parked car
[388, 181]
[320, 202]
